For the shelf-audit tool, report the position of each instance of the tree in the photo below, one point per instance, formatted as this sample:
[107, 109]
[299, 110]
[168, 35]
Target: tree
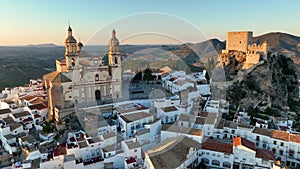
[138, 76]
[207, 77]
[148, 74]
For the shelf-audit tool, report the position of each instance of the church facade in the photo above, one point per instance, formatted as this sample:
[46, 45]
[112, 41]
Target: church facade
[82, 79]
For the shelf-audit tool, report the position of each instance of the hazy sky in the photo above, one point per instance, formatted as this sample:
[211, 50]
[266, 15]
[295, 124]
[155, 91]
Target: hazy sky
[41, 21]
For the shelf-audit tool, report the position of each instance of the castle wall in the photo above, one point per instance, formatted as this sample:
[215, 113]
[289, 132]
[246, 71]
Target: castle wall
[238, 41]
[252, 58]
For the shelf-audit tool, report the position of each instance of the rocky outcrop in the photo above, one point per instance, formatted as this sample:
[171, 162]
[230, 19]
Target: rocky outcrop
[274, 81]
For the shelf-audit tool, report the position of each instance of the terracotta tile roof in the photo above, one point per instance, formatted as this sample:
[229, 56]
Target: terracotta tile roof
[37, 116]
[132, 145]
[217, 146]
[143, 131]
[282, 135]
[5, 111]
[109, 135]
[169, 109]
[28, 97]
[82, 144]
[172, 79]
[60, 150]
[130, 160]
[134, 116]
[186, 117]
[109, 148]
[183, 82]
[200, 120]
[263, 131]
[22, 114]
[295, 138]
[15, 125]
[39, 106]
[278, 134]
[239, 141]
[27, 120]
[210, 119]
[37, 100]
[8, 120]
[165, 70]
[220, 124]
[93, 140]
[203, 114]
[265, 154]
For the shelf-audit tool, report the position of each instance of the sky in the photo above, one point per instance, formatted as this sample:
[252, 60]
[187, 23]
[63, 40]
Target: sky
[140, 21]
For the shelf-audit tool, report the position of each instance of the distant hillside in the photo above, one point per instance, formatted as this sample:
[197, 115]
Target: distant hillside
[19, 64]
[280, 41]
[43, 45]
[208, 49]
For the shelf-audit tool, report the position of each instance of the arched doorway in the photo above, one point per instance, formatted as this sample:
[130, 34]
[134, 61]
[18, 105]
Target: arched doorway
[98, 96]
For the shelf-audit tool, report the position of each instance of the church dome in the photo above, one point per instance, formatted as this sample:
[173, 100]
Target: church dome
[80, 44]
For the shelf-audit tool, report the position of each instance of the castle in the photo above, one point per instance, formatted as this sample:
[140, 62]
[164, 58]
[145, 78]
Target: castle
[82, 80]
[241, 42]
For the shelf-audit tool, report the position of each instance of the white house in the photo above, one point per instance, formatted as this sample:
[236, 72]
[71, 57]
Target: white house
[130, 123]
[169, 114]
[131, 148]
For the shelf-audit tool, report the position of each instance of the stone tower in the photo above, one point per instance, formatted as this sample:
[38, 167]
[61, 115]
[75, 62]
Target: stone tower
[71, 53]
[114, 55]
[114, 63]
[238, 41]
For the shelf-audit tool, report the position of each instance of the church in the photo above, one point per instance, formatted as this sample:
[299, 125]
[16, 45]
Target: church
[82, 80]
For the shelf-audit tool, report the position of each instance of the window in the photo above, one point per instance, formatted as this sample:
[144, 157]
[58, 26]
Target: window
[206, 161]
[282, 144]
[281, 152]
[215, 162]
[116, 60]
[232, 131]
[226, 165]
[96, 77]
[73, 62]
[274, 142]
[135, 150]
[257, 138]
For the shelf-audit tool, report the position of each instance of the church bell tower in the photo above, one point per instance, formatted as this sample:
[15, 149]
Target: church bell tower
[114, 55]
[114, 63]
[71, 53]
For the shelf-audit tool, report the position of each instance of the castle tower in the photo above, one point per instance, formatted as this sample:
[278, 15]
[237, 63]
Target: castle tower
[71, 53]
